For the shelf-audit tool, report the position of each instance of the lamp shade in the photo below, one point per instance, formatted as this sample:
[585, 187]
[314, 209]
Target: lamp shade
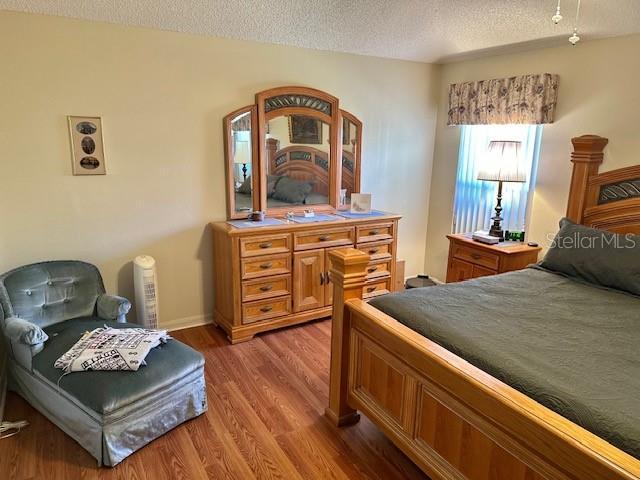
[242, 153]
[503, 162]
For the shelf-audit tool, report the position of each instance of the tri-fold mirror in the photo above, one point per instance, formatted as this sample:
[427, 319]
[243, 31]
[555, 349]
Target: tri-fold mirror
[293, 150]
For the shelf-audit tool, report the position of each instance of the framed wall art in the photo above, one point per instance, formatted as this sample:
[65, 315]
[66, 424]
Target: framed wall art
[361, 203]
[87, 149]
[305, 130]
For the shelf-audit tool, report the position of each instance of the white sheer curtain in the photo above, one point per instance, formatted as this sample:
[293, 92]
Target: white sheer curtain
[475, 199]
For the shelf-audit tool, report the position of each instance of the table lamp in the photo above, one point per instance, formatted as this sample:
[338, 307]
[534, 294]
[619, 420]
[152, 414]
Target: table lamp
[503, 163]
[242, 156]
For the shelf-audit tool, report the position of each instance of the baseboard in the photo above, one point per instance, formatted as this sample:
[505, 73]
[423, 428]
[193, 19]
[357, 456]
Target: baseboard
[187, 322]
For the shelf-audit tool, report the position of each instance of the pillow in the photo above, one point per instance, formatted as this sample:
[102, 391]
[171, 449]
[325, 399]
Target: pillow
[272, 181]
[596, 256]
[246, 186]
[20, 330]
[291, 190]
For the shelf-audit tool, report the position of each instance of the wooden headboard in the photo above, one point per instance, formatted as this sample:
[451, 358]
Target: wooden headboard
[609, 200]
[305, 163]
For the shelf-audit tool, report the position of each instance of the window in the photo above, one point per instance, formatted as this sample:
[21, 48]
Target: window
[475, 199]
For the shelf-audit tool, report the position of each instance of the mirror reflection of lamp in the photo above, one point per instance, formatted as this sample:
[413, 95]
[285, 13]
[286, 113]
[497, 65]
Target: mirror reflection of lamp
[242, 156]
[503, 163]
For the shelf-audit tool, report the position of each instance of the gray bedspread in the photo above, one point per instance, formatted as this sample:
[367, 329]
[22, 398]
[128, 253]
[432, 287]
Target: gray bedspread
[570, 346]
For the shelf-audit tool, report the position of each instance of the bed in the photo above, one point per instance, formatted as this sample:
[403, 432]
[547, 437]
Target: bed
[470, 394]
[308, 164]
[304, 164]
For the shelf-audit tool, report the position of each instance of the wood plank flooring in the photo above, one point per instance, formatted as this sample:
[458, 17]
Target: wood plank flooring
[265, 420]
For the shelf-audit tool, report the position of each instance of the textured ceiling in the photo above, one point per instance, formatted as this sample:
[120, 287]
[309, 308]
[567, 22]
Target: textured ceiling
[422, 30]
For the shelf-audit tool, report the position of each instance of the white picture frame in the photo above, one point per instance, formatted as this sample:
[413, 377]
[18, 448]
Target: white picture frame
[361, 203]
[87, 145]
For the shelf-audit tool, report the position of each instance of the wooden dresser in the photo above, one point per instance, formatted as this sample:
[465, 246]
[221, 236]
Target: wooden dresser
[274, 276]
[471, 259]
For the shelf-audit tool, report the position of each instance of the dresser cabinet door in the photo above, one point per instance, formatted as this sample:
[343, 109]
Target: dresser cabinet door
[459, 271]
[308, 280]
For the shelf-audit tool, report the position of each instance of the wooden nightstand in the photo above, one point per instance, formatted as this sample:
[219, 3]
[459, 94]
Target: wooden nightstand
[471, 259]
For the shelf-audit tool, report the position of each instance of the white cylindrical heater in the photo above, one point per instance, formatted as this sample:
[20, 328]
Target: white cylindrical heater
[145, 282]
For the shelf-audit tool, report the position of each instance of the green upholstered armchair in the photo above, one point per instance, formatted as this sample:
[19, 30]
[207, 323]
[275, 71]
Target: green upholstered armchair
[42, 294]
[44, 309]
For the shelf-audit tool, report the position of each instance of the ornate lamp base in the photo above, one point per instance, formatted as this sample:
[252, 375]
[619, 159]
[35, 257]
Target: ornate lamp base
[496, 228]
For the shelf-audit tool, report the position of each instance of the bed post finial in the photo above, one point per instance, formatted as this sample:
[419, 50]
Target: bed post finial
[348, 274]
[587, 156]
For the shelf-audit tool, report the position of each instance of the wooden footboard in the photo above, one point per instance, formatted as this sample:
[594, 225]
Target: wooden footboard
[452, 419]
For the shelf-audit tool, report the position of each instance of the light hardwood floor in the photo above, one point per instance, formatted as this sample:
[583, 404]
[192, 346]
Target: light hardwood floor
[265, 420]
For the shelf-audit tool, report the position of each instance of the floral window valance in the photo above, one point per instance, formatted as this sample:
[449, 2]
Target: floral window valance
[527, 99]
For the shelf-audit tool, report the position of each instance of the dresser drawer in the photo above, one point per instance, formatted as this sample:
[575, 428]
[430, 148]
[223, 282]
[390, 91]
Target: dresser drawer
[265, 266]
[263, 288]
[265, 309]
[378, 269]
[374, 232]
[330, 237]
[377, 250]
[265, 245]
[376, 287]
[476, 256]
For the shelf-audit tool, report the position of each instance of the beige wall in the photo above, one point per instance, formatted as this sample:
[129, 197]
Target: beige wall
[598, 94]
[162, 97]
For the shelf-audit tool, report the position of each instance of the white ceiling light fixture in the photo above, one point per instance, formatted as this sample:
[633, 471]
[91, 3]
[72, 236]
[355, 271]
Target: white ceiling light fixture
[575, 38]
[557, 18]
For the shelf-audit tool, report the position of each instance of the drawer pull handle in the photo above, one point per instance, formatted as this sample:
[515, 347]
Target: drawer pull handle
[264, 266]
[321, 278]
[266, 245]
[324, 238]
[373, 251]
[266, 308]
[372, 269]
[327, 279]
[371, 289]
[266, 288]
[476, 256]
[374, 232]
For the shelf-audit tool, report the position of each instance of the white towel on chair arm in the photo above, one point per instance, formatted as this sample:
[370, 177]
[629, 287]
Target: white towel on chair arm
[111, 349]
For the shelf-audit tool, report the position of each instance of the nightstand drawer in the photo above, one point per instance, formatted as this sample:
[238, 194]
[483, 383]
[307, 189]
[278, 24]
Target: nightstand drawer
[265, 266]
[269, 287]
[476, 256]
[331, 237]
[377, 250]
[265, 309]
[479, 271]
[374, 233]
[265, 245]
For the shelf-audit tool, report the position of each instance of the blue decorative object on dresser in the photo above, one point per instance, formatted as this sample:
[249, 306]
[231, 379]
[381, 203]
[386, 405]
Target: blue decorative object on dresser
[46, 308]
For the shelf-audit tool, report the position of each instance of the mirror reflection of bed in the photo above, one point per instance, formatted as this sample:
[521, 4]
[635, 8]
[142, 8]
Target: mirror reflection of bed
[297, 161]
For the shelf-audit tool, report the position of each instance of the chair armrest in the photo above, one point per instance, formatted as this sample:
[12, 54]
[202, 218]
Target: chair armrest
[112, 307]
[25, 340]
[19, 330]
